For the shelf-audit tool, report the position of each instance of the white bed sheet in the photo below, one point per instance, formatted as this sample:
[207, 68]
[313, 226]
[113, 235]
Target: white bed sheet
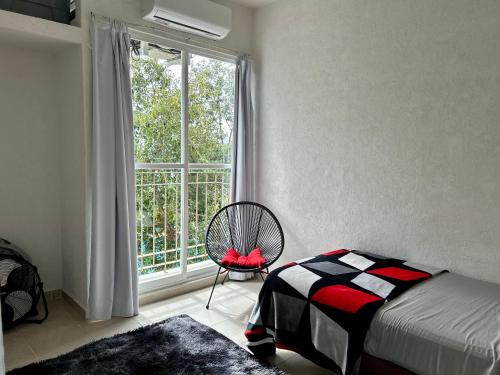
[448, 325]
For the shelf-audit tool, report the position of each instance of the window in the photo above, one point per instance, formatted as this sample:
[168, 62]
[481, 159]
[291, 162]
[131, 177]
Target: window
[183, 107]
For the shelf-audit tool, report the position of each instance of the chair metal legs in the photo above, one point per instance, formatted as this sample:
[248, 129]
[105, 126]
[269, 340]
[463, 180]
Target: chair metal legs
[223, 280]
[225, 277]
[215, 283]
[261, 272]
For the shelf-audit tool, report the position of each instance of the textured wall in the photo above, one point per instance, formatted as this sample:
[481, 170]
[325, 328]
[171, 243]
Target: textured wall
[380, 128]
[30, 180]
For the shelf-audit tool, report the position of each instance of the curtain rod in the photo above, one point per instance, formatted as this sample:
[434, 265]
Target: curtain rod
[176, 37]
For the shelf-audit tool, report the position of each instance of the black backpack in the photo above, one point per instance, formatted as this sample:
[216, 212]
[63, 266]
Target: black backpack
[20, 287]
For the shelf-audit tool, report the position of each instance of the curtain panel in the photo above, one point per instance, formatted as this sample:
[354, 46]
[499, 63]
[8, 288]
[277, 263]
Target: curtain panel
[243, 177]
[113, 286]
[243, 183]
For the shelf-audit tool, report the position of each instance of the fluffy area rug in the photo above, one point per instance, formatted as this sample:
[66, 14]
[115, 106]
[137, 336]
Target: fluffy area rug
[179, 345]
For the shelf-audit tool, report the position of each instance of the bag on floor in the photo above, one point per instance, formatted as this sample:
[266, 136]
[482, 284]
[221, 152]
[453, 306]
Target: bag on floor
[20, 287]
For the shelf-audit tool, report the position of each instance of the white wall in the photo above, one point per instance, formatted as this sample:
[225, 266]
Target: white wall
[30, 179]
[379, 128]
[72, 166]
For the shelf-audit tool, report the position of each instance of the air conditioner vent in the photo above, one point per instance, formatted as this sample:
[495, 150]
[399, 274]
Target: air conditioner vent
[178, 25]
[200, 17]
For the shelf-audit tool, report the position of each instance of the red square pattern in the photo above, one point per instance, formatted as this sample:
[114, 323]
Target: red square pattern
[254, 332]
[343, 298]
[336, 252]
[399, 273]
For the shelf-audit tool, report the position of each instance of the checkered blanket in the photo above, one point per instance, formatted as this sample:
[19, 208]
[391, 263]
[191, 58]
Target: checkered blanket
[321, 307]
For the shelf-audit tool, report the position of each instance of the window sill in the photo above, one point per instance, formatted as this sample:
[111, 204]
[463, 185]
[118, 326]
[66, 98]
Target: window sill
[174, 279]
[169, 291]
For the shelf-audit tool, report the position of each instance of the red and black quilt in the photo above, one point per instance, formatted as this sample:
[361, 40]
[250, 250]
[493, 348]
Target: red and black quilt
[321, 307]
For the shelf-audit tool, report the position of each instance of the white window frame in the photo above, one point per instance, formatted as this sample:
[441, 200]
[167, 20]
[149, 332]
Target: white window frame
[158, 281]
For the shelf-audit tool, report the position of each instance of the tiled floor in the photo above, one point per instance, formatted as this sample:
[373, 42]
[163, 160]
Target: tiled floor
[66, 328]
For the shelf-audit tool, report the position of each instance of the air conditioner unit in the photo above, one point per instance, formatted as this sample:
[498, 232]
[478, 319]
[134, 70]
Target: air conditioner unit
[200, 17]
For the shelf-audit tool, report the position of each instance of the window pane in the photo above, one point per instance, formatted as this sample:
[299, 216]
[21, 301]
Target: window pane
[158, 219]
[156, 73]
[209, 190]
[156, 99]
[211, 110]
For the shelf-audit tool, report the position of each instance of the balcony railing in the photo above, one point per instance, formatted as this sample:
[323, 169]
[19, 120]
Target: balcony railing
[159, 214]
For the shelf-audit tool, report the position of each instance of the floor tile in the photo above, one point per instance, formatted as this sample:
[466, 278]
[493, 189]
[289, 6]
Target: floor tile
[50, 342]
[18, 353]
[232, 329]
[143, 320]
[281, 356]
[207, 317]
[115, 326]
[297, 365]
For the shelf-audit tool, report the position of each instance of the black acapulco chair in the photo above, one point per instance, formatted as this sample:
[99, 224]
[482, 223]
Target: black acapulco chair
[243, 226]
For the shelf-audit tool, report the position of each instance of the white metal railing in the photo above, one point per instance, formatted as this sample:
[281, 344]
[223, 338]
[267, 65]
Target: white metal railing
[158, 194]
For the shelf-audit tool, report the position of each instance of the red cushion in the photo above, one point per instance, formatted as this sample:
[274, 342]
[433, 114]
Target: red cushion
[230, 258]
[252, 260]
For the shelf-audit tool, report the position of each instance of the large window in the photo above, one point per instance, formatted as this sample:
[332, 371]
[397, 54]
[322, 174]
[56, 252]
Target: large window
[183, 121]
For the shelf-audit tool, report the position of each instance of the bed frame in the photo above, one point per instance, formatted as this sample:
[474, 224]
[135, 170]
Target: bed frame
[375, 366]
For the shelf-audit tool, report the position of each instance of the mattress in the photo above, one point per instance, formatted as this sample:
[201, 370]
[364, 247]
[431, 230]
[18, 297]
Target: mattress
[449, 324]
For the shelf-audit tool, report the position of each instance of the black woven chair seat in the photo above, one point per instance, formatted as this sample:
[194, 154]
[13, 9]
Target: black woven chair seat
[244, 226]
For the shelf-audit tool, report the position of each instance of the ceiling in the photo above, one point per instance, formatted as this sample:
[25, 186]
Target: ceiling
[253, 3]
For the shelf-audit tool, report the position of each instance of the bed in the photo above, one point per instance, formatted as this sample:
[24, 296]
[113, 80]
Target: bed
[449, 324]
[439, 324]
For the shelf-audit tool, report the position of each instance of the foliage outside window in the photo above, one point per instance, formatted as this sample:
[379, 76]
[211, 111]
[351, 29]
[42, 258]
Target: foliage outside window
[156, 73]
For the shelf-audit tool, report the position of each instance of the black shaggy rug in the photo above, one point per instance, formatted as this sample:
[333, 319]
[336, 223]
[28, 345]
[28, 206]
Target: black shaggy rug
[179, 345]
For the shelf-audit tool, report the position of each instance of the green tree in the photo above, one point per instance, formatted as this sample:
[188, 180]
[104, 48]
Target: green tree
[156, 94]
[211, 111]
[157, 111]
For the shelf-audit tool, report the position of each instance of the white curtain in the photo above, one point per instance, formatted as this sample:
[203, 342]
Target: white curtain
[243, 186]
[243, 155]
[113, 262]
